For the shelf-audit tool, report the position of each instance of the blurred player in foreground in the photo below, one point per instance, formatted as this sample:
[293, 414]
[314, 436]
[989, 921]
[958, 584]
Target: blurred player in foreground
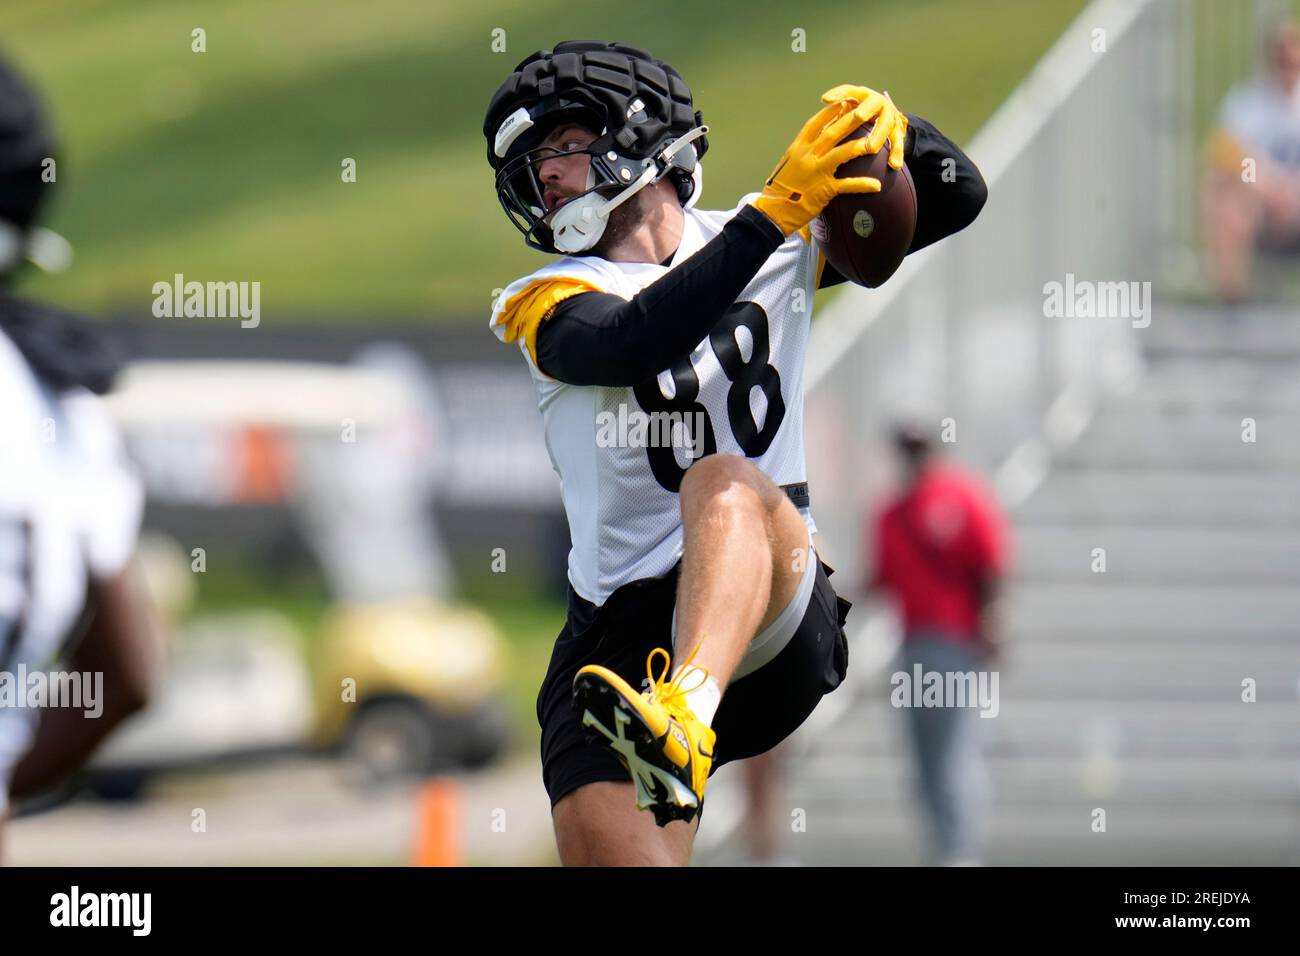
[692, 548]
[71, 607]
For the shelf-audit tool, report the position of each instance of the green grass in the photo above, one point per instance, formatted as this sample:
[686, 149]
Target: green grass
[236, 585]
[226, 164]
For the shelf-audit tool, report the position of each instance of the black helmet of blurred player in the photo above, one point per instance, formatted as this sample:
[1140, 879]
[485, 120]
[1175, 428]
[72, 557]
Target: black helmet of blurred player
[63, 349]
[26, 148]
[640, 111]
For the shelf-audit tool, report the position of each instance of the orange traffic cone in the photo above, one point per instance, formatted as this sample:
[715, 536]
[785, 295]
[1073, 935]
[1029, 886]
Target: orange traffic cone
[437, 824]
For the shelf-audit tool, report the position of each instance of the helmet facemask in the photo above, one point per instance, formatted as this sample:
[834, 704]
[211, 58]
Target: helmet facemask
[522, 194]
[579, 222]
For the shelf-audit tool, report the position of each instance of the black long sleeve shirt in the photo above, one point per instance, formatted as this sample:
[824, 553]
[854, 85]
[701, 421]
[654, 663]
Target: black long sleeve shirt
[598, 338]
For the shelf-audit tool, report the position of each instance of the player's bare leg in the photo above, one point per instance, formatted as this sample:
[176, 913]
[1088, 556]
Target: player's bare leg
[1234, 217]
[745, 551]
[599, 825]
[744, 554]
[1230, 217]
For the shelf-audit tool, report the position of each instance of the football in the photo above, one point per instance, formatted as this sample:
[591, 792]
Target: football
[866, 235]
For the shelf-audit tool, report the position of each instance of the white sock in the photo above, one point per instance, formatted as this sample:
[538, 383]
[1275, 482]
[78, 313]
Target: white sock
[703, 700]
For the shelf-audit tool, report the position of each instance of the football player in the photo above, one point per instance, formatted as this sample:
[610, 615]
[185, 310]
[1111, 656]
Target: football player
[692, 558]
[70, 505]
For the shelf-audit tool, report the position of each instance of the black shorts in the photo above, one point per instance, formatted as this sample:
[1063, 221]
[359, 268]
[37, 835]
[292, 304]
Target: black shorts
[757, 711]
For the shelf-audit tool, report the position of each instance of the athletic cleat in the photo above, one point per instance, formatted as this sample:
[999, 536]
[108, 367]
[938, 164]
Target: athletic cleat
[654, 734]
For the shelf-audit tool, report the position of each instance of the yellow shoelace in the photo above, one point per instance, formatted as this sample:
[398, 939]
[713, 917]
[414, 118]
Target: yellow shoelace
[666, 694]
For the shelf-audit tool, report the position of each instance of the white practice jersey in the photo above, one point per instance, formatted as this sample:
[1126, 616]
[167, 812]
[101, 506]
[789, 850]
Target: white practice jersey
[70, 509]
[1262, 117]
[743, 387]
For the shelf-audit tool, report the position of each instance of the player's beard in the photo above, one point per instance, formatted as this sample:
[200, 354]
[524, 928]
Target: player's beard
[623, 221]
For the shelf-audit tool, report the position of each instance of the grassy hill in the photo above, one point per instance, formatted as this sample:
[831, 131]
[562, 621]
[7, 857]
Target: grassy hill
[226, 164]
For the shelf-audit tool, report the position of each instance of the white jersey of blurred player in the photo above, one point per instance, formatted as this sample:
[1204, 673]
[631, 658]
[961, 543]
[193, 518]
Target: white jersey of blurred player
[70, 509]
[746, 377]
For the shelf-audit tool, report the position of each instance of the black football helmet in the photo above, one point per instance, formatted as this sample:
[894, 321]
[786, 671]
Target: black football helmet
[646, 128]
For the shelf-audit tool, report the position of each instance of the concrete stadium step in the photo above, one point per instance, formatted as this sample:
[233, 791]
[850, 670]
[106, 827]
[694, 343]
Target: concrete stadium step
[1118, 640]
[1157, 678]
[845, 835]
[1211, 441]
[1042, 781]
[1258, 333]
[1103, 604]
[1201, 384]
[1160, 495]
[1260, 555]
[1029, 727]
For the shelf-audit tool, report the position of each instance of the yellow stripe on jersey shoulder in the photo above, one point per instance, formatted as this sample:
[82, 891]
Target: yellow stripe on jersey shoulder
[528, 308]
[806, 232]
[1225, 151]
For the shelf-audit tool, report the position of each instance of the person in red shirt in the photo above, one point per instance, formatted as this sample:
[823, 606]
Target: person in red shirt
[941, 549]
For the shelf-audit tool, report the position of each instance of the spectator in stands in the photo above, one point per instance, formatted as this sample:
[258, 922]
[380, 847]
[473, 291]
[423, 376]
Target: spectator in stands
[940, 551]
[1252, 192]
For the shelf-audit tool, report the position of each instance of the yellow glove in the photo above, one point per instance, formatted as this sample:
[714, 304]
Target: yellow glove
[890, 123]
[804, 180]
